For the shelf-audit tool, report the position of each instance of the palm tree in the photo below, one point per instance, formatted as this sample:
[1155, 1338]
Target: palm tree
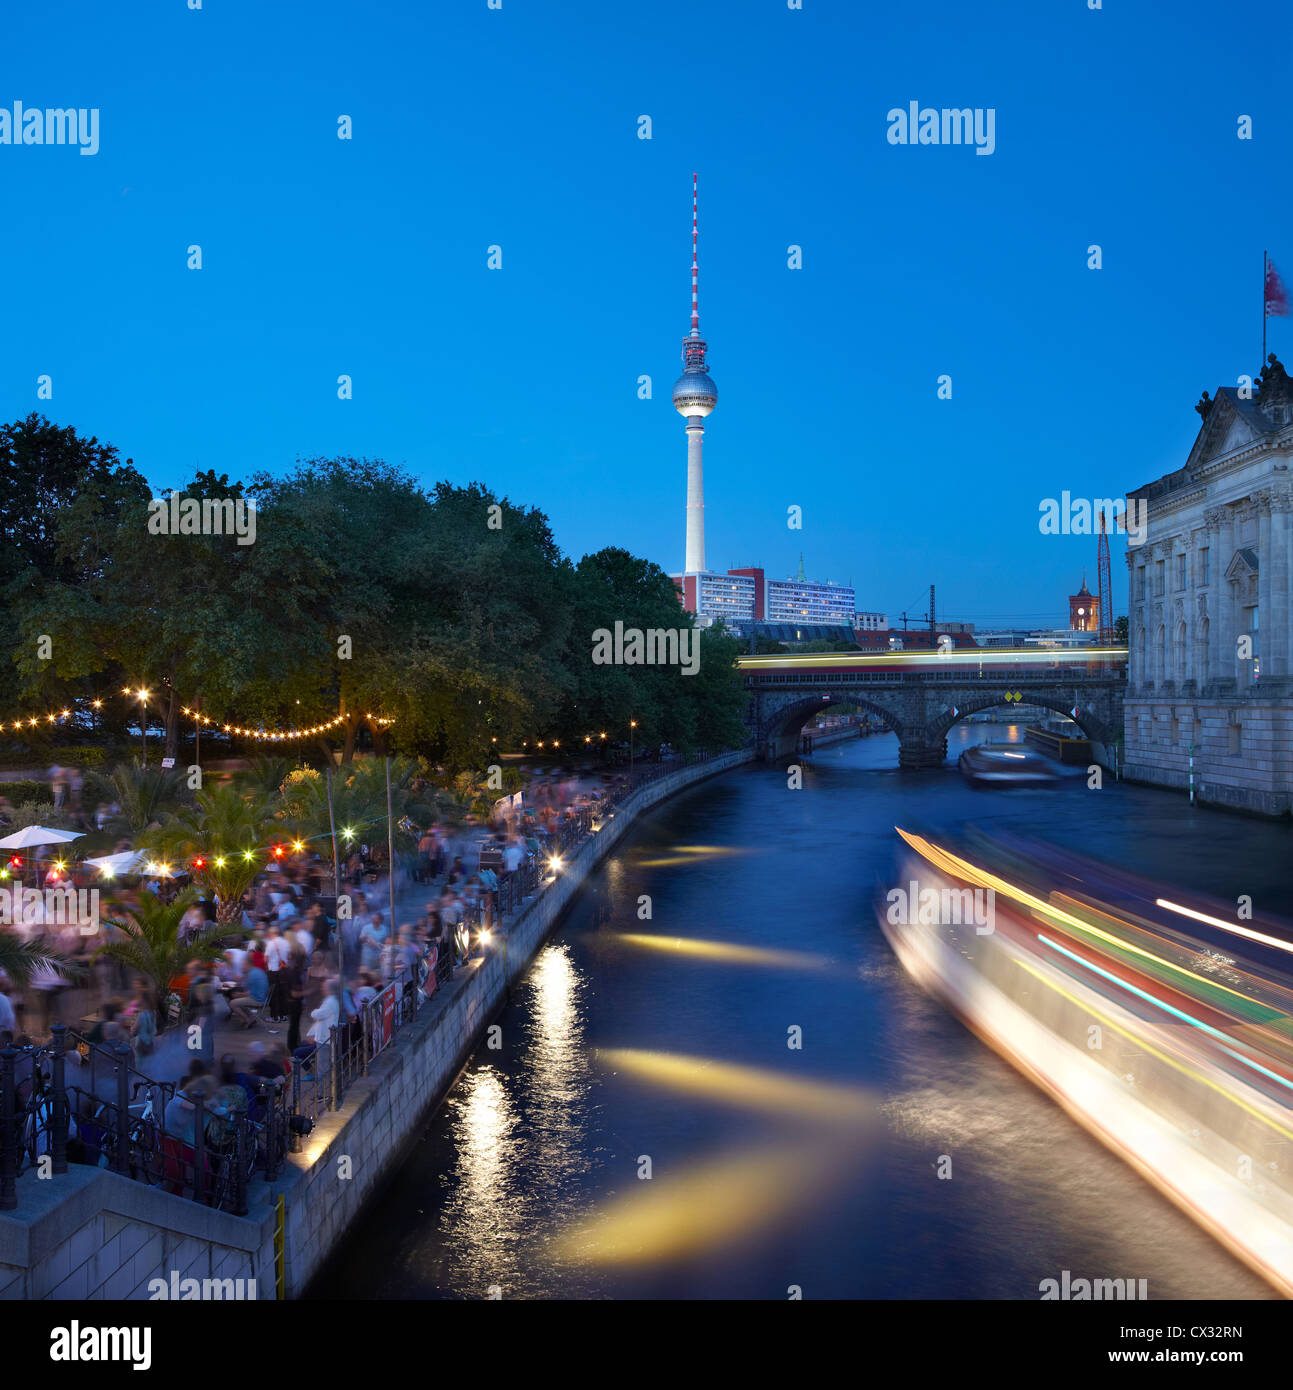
[143, 795]
[153, 946]
[264, 777]
[225, 838]
[21, 959]
[358, 802]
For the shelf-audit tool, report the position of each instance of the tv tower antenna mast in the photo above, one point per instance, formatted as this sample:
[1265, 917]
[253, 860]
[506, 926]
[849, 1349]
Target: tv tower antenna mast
[1104, 586]
[694, 396]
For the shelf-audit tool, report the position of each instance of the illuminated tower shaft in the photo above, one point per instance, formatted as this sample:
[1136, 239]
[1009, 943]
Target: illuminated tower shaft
[694, 396]
[695, 496]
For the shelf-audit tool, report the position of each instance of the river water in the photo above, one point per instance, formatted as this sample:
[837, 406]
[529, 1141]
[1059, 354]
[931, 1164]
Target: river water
[663, 1046]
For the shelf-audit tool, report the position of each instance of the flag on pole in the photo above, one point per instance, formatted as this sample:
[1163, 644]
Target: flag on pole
[1277, 298]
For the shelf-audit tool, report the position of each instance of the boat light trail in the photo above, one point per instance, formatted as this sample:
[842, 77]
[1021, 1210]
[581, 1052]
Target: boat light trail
[1166, 1008]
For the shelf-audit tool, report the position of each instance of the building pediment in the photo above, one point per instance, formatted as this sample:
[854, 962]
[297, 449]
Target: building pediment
[1239, 434]
[1230, 423]
[1242, 564]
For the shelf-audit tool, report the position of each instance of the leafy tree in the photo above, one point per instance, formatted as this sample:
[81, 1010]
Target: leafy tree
[1120, 631]
[61, 498]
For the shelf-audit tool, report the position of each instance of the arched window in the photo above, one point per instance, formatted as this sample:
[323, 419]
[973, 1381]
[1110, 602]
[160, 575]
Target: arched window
[1178, 654]
[1160, 661]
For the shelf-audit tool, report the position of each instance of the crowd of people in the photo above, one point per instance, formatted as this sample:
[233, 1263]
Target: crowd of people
[295, 967]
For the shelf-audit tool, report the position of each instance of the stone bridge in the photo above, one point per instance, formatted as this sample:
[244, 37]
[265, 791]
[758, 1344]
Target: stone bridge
[920, 706]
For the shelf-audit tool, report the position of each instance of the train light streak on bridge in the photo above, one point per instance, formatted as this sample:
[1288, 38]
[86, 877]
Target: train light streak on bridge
[1226, 926]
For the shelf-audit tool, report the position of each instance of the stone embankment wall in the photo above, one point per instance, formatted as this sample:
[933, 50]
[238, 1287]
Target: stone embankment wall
[91, 1234]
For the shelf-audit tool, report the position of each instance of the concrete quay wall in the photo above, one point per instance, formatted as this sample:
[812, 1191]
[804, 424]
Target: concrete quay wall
[91, 1234]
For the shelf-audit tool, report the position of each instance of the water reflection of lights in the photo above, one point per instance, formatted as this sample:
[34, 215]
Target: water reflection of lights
[693, 854]
[729, 953]
[557, 1059]
[484, 1126]
[752, 1088]
[723, 1199]
[554, 980]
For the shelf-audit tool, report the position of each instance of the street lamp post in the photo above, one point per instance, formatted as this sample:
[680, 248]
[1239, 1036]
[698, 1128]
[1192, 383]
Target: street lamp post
[632, 725]
[143, 721]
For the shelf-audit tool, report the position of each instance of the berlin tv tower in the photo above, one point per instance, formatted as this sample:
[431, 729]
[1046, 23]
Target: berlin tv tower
[694, 396]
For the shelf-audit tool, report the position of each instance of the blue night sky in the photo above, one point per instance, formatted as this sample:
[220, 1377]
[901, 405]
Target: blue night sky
[519, 127]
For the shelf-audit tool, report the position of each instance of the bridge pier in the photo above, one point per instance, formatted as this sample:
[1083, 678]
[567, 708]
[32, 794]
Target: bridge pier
[918, 751]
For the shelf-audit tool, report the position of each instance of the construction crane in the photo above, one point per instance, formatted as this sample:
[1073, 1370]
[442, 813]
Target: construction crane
[1105, 586]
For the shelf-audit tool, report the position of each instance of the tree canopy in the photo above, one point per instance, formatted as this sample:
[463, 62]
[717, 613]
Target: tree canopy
[443, 623]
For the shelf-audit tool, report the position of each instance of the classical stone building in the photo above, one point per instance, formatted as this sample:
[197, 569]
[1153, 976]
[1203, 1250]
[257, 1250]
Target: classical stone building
[1211, 628]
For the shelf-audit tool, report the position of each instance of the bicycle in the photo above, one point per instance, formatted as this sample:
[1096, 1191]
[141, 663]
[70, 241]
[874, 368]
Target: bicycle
[144, 1136]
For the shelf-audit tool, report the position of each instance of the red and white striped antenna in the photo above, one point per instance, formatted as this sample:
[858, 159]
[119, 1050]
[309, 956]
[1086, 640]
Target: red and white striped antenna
[695, 310]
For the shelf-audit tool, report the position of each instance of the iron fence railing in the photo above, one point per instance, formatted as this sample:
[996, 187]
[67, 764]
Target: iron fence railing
[206, 1147]
[112, 1115]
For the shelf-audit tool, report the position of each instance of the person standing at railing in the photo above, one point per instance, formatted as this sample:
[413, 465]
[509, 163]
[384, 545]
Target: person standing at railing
[489, 894]
[407, 954]
[372, 937]
[179, 1121]
[322, 1021]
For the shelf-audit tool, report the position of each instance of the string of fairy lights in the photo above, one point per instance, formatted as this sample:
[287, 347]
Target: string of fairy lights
[260, 735]
[263, 735]
[276, 852]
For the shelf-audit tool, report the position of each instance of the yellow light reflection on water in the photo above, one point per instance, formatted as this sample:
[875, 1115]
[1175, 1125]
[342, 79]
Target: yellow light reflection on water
[680, 1214]
[693, 854]
[750, 1088]
[485, 1124]
[730, 953]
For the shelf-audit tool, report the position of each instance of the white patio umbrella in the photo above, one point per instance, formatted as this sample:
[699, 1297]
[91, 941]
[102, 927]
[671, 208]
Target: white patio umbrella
[31, 836]
[123, 862]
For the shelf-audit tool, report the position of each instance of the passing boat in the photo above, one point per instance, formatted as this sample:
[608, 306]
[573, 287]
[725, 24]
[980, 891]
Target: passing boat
[1008, 764]
[1185, 1076]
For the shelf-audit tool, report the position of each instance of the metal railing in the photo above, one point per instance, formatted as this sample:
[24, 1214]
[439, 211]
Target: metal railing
[319, 1082]
[114, 1117]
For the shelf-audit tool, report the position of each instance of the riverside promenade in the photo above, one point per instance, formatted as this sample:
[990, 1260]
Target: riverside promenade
[91, 1233]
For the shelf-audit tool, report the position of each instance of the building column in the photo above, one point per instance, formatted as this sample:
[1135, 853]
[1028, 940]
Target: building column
[1265, 577]
[1279, 566]
[1223, 647]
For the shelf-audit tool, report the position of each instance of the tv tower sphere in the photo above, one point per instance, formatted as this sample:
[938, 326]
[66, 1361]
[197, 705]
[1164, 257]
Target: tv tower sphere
[694, 393]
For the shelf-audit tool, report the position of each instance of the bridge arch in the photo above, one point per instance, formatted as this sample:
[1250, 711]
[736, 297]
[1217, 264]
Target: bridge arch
[1092, 726]
[780, 725]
